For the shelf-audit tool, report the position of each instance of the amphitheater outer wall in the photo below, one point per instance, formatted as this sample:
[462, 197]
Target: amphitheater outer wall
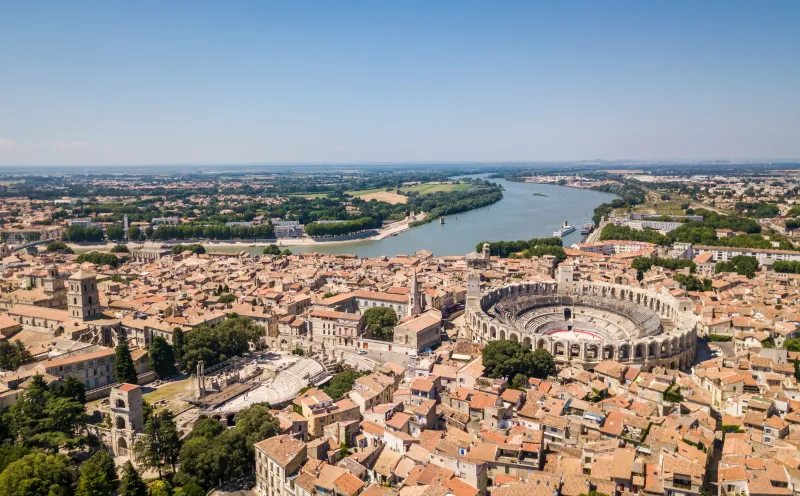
[675, 348]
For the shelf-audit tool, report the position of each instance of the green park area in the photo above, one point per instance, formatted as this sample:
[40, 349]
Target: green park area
[423, 189]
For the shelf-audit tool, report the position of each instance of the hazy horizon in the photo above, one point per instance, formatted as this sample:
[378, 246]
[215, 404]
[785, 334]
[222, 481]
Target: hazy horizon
[443, 163]
[468, 167]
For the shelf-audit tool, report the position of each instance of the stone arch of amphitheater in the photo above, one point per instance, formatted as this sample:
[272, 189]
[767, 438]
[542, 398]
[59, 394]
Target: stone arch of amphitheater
[584, 322]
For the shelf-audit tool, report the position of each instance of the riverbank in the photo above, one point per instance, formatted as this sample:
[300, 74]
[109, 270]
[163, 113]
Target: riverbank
[519, 215]
[382, 233]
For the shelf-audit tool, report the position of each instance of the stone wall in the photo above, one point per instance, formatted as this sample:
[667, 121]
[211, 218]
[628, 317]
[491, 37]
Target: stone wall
[674, 347]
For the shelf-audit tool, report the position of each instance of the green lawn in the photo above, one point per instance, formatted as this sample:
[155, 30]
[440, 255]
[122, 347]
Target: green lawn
[362, 192]
[310, 195]
[169, 391]
[425, 189]
[422, 189]
[669, 208]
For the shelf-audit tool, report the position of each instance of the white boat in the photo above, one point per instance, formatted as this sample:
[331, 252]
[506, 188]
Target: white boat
[565, 229]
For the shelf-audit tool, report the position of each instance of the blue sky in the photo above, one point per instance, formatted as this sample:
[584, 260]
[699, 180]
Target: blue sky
[354, 81]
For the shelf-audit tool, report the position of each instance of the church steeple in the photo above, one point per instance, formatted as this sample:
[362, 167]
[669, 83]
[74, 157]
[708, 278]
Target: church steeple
[416, 300]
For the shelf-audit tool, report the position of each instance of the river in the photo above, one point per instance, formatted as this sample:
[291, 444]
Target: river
[519, 215]
[522, 214]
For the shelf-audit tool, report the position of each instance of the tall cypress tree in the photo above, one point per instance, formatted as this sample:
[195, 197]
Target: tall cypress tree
[177, 345]
[98, 476]
[162, 357]
[125, 370]
[161, 444]
[132, 483]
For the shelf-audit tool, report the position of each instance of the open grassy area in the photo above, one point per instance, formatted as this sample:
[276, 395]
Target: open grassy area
[173, 395]
[661, 208]
[428, 188]
[310, 195]
[422, 189]
[669, 208]
[171, 390]
[362, 192]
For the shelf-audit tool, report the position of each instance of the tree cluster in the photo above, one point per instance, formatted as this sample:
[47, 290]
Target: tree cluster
[754, 241]
[542, 250]
[611, 231]
[341, 383]
[505, 249]
[792, 344]
[631, 195]
[47, 417]
[741, 264]
[13, 354]
[340, 228]
[136, 234]
[213, 455]
[213, 231]
[215, 344]
[733, 222]
[59, 246]
[161, 357]
[761, 210]
[115, 232]
[81, 234]
[226, 298]
[37, 474]
[479, 194]
[272, 249]
[380, 321]
[792, 224]
[505, 358]
[98, 258]
[786, 267]
[197, 249]
[643, 264]
[9, 453]
[692, 283]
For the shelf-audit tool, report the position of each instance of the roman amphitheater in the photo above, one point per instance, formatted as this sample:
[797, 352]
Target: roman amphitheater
[582, 322]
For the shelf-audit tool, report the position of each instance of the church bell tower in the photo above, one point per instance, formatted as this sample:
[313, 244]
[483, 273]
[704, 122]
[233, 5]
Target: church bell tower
[83, 301]
[416, 300]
